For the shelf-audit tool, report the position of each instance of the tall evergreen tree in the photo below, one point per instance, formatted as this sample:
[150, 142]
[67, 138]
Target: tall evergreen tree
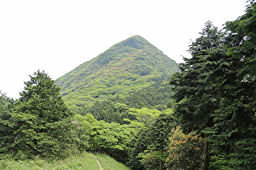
[194, 86]
[216, 93]
[159, 134]
[151, 145]
[6, 125]
[234, 129]
[42, 124]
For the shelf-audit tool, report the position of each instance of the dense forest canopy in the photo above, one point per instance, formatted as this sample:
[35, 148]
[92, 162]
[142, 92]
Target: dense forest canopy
[135, 104]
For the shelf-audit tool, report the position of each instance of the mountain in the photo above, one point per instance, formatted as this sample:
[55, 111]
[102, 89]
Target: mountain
[126, 67]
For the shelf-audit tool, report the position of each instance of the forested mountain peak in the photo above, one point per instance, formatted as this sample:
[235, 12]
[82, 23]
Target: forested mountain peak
[135, 41]
[130, 65]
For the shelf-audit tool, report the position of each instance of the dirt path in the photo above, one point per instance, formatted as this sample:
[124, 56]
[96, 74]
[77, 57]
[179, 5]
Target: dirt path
[101, 168]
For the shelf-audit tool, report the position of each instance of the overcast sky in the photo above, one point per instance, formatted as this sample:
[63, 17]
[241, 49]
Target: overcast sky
[58, 35]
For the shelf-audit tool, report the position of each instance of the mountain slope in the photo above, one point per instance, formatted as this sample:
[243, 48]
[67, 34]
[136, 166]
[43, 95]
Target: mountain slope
[130, 65]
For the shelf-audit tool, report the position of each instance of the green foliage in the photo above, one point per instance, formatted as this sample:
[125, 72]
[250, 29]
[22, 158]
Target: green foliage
[3, 103]
[140, 144]
[41, 120]
[81, 131]
[6, 126]
[156, 96]
[99, 136]
[193, 91]
[116, 109]
[195, 86]
[128, 66]
[156, 153]
[141, 120]
[150, 148]
[109, 136]
[108, 111]
[215, 92]
[144, 115]
[234, 129]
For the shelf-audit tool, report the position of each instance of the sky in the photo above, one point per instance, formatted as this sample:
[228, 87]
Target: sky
[58, 35]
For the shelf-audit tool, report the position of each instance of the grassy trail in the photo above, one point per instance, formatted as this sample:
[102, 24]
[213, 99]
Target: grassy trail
[101, 168]
[109, 163]
[83, 161]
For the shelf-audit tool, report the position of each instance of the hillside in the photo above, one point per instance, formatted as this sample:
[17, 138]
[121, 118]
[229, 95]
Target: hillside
[128, 66]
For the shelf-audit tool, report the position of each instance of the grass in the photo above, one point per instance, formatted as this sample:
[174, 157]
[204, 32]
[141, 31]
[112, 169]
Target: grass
[109, 163]
[83, 161]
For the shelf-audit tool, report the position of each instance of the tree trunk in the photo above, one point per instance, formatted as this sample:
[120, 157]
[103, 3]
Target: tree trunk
[161, 165]
[205, 159]
[161, 162]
